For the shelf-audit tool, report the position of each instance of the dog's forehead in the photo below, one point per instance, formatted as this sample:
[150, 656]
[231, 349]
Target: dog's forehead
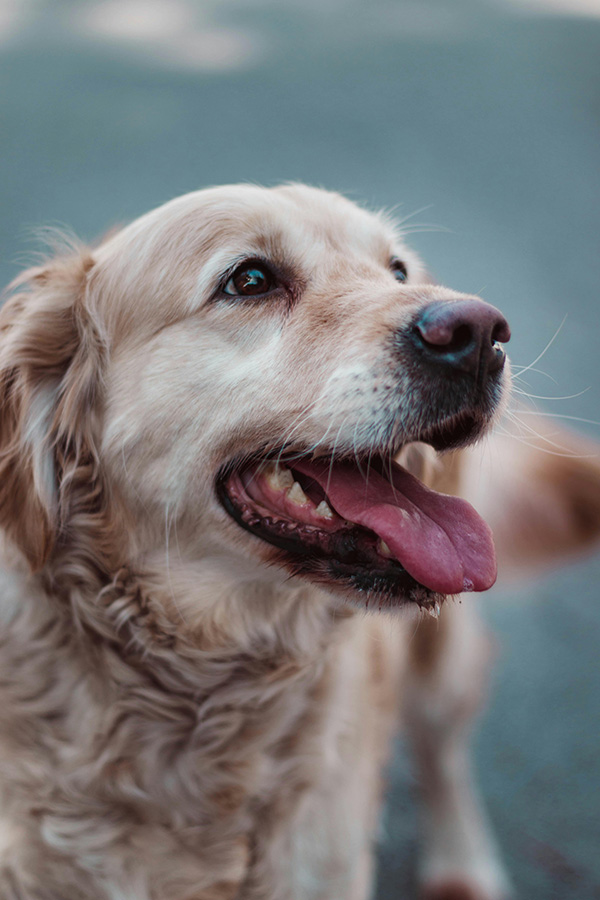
[310, 216]
[294, 218]
[294, 223]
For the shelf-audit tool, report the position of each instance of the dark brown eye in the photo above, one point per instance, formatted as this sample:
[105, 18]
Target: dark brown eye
[249, 280]
[399, 270]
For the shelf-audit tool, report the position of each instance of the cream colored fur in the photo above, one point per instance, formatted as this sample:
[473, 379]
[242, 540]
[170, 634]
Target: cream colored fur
[180, 719]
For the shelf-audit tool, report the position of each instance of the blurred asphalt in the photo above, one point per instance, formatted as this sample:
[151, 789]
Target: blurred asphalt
[482, 115]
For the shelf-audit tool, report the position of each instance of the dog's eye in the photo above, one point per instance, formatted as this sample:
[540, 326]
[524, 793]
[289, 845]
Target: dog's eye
[399, 270]
[249, 280]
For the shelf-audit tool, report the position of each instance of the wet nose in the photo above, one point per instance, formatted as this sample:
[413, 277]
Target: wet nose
[464, 335]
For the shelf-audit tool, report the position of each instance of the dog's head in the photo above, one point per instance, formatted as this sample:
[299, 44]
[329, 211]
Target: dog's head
[240, 368]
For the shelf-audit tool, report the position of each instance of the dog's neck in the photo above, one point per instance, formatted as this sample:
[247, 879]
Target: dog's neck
[218, 606]
[137, 646]
[184, 615]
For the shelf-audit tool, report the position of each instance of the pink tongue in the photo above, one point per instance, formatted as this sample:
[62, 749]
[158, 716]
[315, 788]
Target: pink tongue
[440, 540]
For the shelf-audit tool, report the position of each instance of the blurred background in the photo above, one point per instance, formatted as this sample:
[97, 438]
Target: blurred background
[479, 120]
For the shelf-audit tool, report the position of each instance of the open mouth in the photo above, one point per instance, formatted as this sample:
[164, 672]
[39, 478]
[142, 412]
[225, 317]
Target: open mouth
[367, 528]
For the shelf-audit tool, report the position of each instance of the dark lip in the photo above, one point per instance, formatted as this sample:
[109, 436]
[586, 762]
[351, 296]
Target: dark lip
[453, 432]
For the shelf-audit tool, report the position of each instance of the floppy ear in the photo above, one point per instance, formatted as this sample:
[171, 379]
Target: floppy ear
[540, 498]
[50, 357]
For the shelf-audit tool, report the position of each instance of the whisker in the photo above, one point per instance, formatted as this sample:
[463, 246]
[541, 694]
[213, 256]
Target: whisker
[526, 427]
[333, 454]
[547, 347]
[526, 443]
[390, 463]
[297, 423]
[356, 459]
[540, 397]
[312, 449]
[530, 368]
[369, 458]
[549, 415]
[416, 212]
[546, 439]
[426, 228]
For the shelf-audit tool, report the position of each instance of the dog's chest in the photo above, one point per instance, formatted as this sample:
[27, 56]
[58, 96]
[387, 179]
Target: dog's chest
[265, 789]
[312, 839]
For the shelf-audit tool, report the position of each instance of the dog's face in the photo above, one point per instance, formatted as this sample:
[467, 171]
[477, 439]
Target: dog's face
[267, 354]
[271, 354]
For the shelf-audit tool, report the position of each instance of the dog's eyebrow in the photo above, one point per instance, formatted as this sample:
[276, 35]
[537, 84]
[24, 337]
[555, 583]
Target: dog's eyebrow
[212, 271]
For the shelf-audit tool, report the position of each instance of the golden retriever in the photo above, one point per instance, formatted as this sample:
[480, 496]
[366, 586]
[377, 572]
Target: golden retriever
[220, 554]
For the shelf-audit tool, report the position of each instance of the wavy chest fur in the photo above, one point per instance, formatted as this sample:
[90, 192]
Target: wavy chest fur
[151, 767]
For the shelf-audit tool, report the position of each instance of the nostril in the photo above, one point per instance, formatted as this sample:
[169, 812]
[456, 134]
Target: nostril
[445, 337]
[501, 332]
[462, 337]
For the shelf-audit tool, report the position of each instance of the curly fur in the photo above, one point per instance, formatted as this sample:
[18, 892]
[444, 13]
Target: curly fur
[179, 720]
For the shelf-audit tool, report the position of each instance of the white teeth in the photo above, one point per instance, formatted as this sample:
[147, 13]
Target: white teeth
[383, 548]
[279, 478]
[433, 611]
[296, 494]
[324, 510]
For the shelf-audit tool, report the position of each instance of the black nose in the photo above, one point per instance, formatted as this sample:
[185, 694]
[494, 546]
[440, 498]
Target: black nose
[464, 335]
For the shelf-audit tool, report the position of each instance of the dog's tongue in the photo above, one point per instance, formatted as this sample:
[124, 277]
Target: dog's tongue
[440, 540]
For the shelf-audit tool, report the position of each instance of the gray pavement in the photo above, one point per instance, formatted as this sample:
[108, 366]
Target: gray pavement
[483, 115]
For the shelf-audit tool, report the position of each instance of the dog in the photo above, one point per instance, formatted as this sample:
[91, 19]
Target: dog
[232, 442]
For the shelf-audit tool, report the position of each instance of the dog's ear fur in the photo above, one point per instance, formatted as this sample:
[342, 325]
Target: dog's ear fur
[50, 357]
[541, 498]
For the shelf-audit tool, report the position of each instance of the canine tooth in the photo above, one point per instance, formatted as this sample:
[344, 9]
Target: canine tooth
[383, 548]
[279, 478]
[296, 494]
[433, 611]
[324, 510]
